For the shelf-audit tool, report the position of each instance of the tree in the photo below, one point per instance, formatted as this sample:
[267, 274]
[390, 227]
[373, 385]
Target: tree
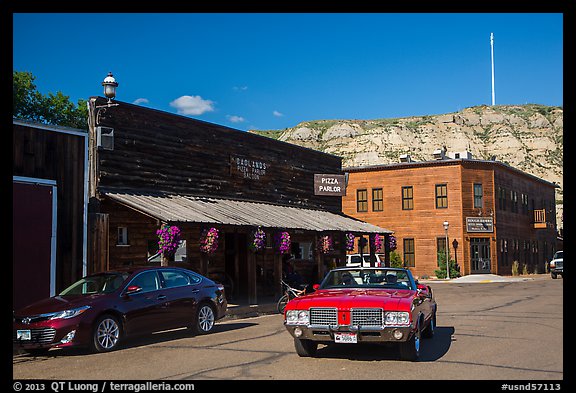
[55, 109]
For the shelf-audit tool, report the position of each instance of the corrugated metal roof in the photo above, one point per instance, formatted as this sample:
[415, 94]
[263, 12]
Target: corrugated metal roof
[184, 208]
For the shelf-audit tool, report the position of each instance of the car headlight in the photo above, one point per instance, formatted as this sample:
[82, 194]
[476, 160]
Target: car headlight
[552, 264]
[297, 317]
[67, 314]
[397, 318]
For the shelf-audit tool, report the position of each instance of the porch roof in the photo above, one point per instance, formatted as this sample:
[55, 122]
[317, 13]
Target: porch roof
[172, 208]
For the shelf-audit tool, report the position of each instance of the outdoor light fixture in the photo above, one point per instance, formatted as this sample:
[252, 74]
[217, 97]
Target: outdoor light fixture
[446, 224]
[110, 86]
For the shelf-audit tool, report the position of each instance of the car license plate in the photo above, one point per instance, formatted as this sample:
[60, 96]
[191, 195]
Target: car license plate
[23, 335]
[345, 338]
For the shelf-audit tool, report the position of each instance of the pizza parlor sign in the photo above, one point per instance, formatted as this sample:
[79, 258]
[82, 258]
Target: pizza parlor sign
[332, 185]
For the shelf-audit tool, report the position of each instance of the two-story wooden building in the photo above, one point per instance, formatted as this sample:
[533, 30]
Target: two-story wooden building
[496, 214]
[149, 168]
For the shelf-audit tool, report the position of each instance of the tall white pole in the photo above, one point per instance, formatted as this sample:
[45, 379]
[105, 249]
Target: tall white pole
[492, 57]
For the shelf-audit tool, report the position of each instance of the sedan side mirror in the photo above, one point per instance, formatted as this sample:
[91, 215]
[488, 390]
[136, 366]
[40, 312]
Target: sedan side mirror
[316, 287]
[132, 289]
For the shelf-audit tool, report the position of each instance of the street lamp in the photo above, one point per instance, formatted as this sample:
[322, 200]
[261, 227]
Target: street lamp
[110, 86]
[446, 224]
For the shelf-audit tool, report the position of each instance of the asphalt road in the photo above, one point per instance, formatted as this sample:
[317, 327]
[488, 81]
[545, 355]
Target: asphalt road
[486, 331]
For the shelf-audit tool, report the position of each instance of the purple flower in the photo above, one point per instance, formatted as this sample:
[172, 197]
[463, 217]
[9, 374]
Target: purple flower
[209, 241]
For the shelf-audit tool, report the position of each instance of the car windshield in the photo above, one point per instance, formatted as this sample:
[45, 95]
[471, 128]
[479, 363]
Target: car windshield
[558, 255]
[96, 284]
[368, 278]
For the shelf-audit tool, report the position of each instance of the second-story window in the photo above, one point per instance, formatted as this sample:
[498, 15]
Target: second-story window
[407, 198]
[377, 200]
[361, 200]
[478, 196]
[441, 196]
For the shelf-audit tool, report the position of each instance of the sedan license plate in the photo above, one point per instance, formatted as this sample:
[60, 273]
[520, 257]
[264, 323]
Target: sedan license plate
[23, 335]
[345, 338]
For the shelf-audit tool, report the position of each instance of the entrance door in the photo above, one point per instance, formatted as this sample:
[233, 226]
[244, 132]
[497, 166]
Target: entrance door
[480, 255]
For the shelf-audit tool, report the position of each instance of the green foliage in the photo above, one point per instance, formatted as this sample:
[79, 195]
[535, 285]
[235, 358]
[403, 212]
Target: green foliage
[55, 109]
[395, 260]
[441, 271]
[515, 266]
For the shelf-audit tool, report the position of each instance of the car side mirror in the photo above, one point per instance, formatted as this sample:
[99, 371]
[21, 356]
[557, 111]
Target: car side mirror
[316, 287]
[132, 289]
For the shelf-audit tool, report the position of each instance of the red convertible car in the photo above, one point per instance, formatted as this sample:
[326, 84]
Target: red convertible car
[363, 305]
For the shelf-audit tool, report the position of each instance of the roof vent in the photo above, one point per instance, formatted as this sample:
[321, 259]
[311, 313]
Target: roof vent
[405, 158]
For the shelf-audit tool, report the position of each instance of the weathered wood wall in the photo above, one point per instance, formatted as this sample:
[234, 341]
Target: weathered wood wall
[157, 150]
[45, 154]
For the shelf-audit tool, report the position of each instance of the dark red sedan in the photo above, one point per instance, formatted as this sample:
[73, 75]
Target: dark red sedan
[99, 310]
[363, 305]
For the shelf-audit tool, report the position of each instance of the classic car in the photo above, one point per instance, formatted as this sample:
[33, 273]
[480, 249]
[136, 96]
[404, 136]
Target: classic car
[99, 310]
[363, 305]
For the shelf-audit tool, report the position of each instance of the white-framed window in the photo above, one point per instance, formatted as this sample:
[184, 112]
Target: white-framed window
[122, 236]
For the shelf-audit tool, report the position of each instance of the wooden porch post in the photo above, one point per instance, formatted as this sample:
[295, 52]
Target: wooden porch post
[252, 292]
[277, 274]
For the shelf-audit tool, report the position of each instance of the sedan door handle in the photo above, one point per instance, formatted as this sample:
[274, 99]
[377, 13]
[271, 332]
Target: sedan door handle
[195, 290]
[161, 297]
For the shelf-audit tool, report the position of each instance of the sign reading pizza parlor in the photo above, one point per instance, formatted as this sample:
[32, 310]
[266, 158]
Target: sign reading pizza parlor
[333, 185]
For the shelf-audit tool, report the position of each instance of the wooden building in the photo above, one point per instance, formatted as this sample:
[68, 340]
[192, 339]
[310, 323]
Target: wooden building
[150, 168]
[49, 209]
[496, 214]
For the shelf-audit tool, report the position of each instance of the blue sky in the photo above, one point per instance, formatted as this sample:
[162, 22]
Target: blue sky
[273, 71]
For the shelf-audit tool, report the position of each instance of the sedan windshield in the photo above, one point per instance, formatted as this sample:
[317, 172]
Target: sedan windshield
[368, 278]
[96, 284]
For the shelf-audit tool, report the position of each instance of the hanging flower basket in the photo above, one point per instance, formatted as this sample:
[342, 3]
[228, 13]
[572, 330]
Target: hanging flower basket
[325, 244]
[392, 242]
[350, 241]
[282, 241]
[376, 242]
[259, 240]
[209, 241]
[168, 239]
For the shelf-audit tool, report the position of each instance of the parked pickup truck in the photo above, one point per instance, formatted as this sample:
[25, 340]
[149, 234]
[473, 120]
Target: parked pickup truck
[557, 265]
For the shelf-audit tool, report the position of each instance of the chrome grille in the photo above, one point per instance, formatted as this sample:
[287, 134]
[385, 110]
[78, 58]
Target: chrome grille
[39, 336]
[323, 316]
[366, 317]
[559, 264]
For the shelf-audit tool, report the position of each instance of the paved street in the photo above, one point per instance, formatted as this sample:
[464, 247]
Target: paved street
[493, 330]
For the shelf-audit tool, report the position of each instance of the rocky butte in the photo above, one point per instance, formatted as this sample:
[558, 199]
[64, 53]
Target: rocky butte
[528, 137]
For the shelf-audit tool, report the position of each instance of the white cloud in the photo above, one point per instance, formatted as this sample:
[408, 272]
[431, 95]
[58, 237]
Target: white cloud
[277, 114]
[240, 88]
[192, 105]
[139, 101]
[235, 119]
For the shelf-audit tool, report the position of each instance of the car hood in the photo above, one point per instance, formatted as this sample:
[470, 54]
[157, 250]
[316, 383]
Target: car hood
[59, 303]
[389, 299]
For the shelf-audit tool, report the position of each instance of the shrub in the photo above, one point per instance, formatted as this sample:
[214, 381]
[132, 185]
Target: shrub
[515, 266]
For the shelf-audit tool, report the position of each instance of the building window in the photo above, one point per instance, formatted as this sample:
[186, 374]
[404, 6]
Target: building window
[377, 200]
[502, 198]
[524, 199]
[407, 198]
[362, 200]
[441, 251]
[122, 236]
[409, 258]
[514, 200]
[478, 196]
[441, 196]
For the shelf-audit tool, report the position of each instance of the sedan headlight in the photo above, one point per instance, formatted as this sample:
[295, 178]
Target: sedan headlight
[297, 317]
[67, 314]
[397, 318]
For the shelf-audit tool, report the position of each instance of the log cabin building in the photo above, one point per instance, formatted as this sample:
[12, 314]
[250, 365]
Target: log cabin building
[496, 214]
[49, 209]
[150, 168]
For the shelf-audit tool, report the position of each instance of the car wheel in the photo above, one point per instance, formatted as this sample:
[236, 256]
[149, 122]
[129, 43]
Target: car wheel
[107, 334]
[305, 348]
[282, 304]
[554, 275]
[410, 350]
[429, 331]
[205, 319]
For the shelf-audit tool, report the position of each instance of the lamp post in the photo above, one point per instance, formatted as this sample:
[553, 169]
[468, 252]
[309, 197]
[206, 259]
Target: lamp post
[446, 224]
[110, 86]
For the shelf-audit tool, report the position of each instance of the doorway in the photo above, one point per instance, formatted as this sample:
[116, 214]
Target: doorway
[480, 255]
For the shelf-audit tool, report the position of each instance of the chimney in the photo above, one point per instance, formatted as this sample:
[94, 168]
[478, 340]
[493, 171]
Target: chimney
[405, 158]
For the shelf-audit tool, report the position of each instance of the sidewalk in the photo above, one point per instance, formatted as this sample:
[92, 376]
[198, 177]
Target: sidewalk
[486, 278]
[242, 309]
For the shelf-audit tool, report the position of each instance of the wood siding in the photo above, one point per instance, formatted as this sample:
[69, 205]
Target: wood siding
[46, 154]
[156, 150]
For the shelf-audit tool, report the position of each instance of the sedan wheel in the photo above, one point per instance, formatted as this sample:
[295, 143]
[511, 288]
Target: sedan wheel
[204, 319]
[106, 334]
[410, 350]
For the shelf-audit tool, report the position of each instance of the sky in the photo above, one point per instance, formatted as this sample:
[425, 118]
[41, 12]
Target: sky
[270, 71]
